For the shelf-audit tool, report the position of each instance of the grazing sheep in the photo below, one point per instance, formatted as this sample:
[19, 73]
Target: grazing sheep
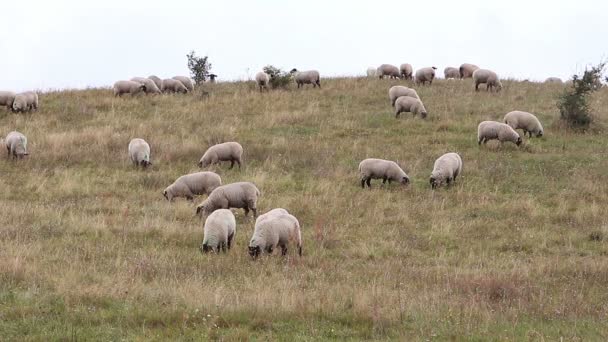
[306, 77]
[526, 121]
[446, 169]
[235, 195]
[173, 86]
[228, 151]
[25, 101]
[371, 72]
[16, 145]
[488, 77]
[451, 72]
[397, 91]
[186, 81]
[139, 152]
[466, 70]
[219, 231]
[275, 231]
[425, 75]
[405, 104]
[386, 170]
[493, 130]
[7, 98]
[554, 80]
[406, 71]
[387, 70]
[263, 80]
[128, 87]
[157, 81]
[198, 183]
[151, 87]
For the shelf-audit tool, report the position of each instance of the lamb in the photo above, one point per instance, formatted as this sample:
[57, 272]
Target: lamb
[157, 81]
[128, 87]
[493, 130]
[16, 145]
[488, 77]
[197, 183]
[526, 121]
[219, 231]
[451, 72]
[235, 195]
[446, 169]
[406, 71]
[228, 151]
[170, 85]
[25, 101]
[139, 152]
[554, 80]
[387, 70]
[466, 70]
[186, 81]
[425, 75]
[151, 87]
[405, 104]
[263, 80]
[306, 77]
[372, 168]
[396, 91]
[7, 98]
[275, 231]
[371, 72]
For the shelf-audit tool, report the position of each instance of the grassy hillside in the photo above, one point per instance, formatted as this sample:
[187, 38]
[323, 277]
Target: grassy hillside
[517, 249]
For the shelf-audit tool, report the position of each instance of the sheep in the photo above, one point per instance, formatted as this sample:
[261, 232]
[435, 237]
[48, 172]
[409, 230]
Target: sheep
[157, 81]
[26, 101]
[212, 78]
[488, 77]
[396, 91]
[170, 85]
[306, 77]
[526, 121]
[554, 80]
[466, 70]
[405, 104]
[406, 71]
[7, 98]
[219, 231]
[16, 145]
[263, 80]
[451, 72]
[128, 87]
[275, 231]
[235, 195]
[425, 75]
[229, 151]
[446, 169]
[493, 130]
[386, 170]
[151, 87]
[371, 72]
[139, 152]
[197, 183]
[186, 81]
[268, 214]
[387, 70]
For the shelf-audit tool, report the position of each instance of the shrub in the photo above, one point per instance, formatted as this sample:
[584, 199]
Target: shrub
[199, 67]
[572, 103]
[278, 77]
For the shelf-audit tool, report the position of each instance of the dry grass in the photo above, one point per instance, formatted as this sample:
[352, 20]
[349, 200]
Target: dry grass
[89, 248]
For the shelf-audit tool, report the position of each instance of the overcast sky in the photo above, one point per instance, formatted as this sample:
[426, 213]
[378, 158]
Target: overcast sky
[75, 44]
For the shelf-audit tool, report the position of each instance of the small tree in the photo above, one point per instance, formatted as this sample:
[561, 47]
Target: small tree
[199, 67]
[572, 103]
[278, 77]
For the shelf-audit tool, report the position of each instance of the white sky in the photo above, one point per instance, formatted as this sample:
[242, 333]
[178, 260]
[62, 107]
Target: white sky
[56, 44]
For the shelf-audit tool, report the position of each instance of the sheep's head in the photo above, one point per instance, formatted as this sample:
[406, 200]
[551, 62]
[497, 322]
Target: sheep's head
[254, 252]
[518, 141]
[203, 163]
[293, 70]
[423, 114]
[145, 163]
[404, 180]
[142, 87]
[206, 248]
[165, 195]
[539, 133]
[434, 182]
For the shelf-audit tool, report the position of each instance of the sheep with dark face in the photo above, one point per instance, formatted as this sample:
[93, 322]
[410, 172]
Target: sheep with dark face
[397, 91]
[139, 152]
[170, 85]
[235, 195]
[386, 170]
[306, 77]
[229, 151]
[405, 104]
[263, 80]
[387, 70]
[26, 101]
[425, 75]
[7, 98]
[451, 72]
[406, 71]
[466, 70]
[219, 231]
[526, 121]
[489, 77]
[275, 230]
[16, 145]
[493, 130]
[446, 169]
[186, 81]
[151, 87]
[128, 87]
[190, 185]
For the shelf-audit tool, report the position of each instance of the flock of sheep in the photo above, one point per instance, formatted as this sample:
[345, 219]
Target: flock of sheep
[277, 227]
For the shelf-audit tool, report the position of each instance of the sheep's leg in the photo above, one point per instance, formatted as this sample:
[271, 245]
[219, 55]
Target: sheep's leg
[231, 164]
[230, 237]
[369, 182]
[238, 161]
[190, 198]
[283, 250]
[255, 212]
[223, 244]
[269, 250]
[384, 180]
[300, 250]
[476, 86]
[246, 211]
[363, 183]
[319, 84]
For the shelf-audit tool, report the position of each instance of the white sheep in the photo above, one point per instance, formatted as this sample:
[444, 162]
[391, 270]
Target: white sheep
[219, 231]
[235, 195]
[488, 77]
[306, 77]
[157, 81]
[16, 145]
[275, 231]
[397, 91]
[526, 121]
[139, 152]
[128, 87]
[7, 98]
[405, 104]
[229, 151]
[406, 71]
[446, 169]
[151, 87]
[26, 101]
[371, 72]
[466, 70]
[170, 85]
[263, 80]
[387, 70]
[186, 81]
[386, 170]
[425, 75]
[451, 72]
[493, 130]
[198, 183]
